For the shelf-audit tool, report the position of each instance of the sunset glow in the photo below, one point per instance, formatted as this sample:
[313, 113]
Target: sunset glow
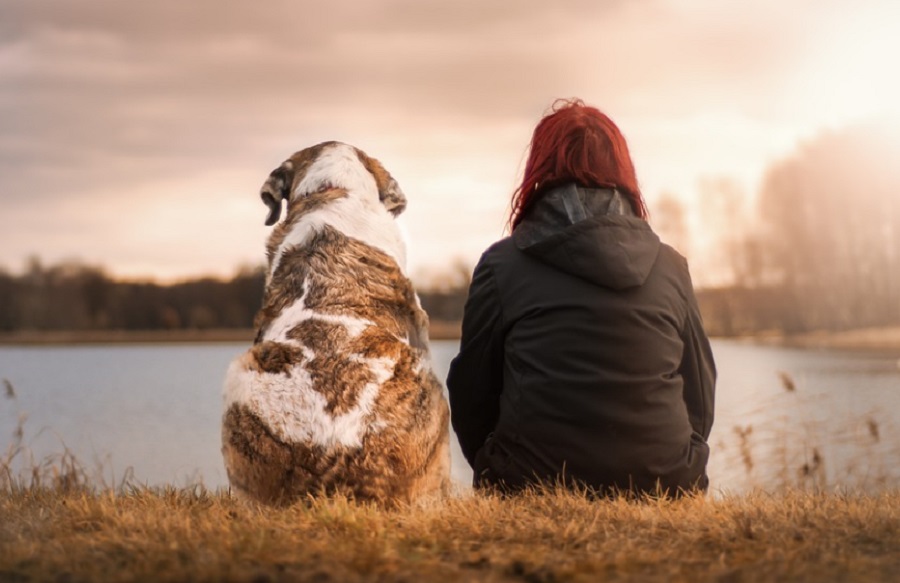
[137, 138]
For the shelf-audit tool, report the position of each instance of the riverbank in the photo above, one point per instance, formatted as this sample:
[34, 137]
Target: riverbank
[438, 331]
[66, 337]
[881, 339]
[196, 535]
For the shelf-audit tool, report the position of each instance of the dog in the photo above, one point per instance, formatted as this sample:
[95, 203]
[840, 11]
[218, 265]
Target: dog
[337, 393]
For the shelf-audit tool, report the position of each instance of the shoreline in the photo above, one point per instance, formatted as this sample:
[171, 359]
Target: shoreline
[882, 339]
[437, 331]
[885, 339]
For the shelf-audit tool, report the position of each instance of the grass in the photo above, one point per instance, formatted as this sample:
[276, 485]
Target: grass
[197, 535]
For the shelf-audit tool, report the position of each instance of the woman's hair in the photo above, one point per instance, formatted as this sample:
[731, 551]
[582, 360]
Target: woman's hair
[576, 143]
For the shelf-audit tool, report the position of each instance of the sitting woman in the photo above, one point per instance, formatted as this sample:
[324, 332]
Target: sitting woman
[583, 357]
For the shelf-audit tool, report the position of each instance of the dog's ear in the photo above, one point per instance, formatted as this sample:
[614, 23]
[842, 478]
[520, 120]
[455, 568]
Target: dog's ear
[392, 197]
[277, 188]
[388, 190]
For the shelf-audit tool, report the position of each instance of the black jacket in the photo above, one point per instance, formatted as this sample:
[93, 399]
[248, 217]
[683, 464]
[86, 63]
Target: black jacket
[583, 356]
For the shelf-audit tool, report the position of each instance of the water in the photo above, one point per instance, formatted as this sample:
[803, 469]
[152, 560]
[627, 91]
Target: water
[154, 410]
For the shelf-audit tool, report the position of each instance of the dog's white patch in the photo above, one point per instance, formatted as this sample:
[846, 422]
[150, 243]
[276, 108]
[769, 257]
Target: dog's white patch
[337, 166]
[297, 312]
[360, 214]
[292, 408]
[296, 413]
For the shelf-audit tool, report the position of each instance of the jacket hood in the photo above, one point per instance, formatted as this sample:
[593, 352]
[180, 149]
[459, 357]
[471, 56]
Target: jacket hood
[591, 233]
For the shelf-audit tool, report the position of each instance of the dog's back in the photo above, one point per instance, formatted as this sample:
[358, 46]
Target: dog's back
[337, 393]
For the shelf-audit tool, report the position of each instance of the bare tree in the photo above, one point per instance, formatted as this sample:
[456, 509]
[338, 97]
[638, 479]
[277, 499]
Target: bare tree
[670, 222]
[728, 221]
[830, 219]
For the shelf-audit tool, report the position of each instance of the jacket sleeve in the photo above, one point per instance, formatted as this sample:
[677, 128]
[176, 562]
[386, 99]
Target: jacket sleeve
[698, 371]
[475, 379]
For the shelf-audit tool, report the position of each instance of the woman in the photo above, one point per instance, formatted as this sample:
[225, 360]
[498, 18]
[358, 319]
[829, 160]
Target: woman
[583, 358]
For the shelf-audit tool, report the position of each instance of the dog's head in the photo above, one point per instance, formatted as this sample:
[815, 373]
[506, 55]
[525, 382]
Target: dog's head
[327, 166]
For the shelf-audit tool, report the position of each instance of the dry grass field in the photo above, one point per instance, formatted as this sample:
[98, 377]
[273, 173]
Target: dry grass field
[53, 527]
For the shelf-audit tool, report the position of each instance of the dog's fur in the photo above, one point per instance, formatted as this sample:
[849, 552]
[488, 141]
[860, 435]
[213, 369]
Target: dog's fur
[337, 393]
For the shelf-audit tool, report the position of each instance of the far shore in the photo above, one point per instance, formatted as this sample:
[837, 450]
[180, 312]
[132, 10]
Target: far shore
[438, 331]
[869, 339]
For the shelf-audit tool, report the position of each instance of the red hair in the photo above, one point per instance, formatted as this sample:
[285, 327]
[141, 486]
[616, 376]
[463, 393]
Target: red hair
[576, 143]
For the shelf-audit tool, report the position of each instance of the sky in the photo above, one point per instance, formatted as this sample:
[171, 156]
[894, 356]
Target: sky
[136, 135]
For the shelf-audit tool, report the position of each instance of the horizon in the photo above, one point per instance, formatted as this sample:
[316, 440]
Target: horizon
[136, 138]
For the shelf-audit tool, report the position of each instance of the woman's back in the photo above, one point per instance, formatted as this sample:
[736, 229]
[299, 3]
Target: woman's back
[583, 355]
[593, 310]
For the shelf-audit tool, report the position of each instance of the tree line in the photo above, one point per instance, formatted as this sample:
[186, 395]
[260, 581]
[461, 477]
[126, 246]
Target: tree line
[74, 296]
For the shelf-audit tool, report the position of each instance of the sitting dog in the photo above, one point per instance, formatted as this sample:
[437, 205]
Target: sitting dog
[337, 393]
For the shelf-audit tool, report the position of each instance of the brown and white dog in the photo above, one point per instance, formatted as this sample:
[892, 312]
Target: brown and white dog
[337, 393]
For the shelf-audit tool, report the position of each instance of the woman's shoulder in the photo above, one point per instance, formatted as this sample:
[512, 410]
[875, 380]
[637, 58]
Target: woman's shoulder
[671, 255]
[498, 251]
[675, 265]
[503, 260]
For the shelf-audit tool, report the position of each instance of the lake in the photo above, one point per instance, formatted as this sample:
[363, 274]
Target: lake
[784, 416]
